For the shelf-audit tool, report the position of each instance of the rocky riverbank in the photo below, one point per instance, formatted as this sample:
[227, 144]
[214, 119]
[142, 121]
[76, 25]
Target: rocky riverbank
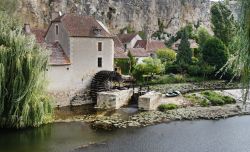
[193, 87]
[143, 119]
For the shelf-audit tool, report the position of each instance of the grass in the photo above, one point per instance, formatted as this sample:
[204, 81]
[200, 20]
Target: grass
[165, 107]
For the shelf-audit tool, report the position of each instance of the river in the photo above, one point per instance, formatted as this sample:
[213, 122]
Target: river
[229, 135]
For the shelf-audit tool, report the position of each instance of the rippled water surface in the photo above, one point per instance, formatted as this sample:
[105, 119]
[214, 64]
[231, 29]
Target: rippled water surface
[229, 135]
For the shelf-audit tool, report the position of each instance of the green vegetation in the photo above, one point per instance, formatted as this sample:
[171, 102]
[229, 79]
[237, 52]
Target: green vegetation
[165, 107]
[184, 56]
[197, 100]
[23, 101]
[149, 66]
[123, 64]
[167, 56]
[215, 53]
[216, 99]
[223, 22]
[239, 62]
[207, 98]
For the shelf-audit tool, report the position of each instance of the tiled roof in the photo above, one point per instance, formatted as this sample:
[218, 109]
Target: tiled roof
[38, 33]
[81, 26]
[118, 44]
[139, 52]
[57, 56]
[126, 38]
[120, 54]
[150, 45]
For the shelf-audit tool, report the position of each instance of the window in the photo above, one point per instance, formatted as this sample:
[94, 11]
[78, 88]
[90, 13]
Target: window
[57, 29]
[99, 62]
[99, 46]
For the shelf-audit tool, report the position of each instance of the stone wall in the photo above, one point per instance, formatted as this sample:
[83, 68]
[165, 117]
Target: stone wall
[113, 99]
[149, 101]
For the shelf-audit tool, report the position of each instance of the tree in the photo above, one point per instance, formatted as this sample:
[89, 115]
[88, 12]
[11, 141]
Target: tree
[132, 63]
[215, 53]
[203, 36]
[166, 55]
[23, 100]
[184, 55]
[149, 66]
[223, 22]
[240, 61]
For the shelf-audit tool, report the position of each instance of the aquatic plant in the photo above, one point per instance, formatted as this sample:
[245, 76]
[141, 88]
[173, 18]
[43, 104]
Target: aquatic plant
[23, 101]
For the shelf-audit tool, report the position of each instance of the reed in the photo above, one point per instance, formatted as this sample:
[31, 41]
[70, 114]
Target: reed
[23, 100]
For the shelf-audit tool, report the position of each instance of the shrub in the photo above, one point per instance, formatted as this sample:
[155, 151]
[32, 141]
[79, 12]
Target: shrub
[216, 99]
[215, 53]
[165, 107]
[123, 64]
[194, 70]
[149, 66]
[229, 100]
[197, 100]
[166, 55]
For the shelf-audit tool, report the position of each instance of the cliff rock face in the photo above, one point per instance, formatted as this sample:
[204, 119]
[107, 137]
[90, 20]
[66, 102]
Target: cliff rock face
[117, 14]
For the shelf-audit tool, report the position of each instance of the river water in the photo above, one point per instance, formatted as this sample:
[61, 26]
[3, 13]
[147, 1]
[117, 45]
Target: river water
[229, 135]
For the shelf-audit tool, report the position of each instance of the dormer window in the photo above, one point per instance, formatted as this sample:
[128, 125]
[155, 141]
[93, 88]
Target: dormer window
[97, 31]
[57, 29]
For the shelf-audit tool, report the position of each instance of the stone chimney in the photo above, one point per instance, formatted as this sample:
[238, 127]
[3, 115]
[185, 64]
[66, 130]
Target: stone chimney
[27, 28]
[125, 31]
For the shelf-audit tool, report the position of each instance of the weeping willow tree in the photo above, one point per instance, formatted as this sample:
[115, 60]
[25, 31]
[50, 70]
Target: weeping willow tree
[23, 101]
[240, 61]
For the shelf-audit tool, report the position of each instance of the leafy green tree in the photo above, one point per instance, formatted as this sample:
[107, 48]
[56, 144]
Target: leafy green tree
[149, 66]
[223, 22]
[132, 62]
[215, 53]
[239, 63]
[184, 55]
[23, 100]
[123, 64]
[166, 55]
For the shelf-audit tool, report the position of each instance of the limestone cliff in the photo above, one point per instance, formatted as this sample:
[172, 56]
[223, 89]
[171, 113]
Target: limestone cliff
[117, 14]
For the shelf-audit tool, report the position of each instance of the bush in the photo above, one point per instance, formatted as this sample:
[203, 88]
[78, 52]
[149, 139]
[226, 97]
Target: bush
[149, 66]
[197, 100]
[165, 107]
[123, 64]
[194, 70]
[216, 99]
[229, 100]
[166, 55]
[215, 53]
